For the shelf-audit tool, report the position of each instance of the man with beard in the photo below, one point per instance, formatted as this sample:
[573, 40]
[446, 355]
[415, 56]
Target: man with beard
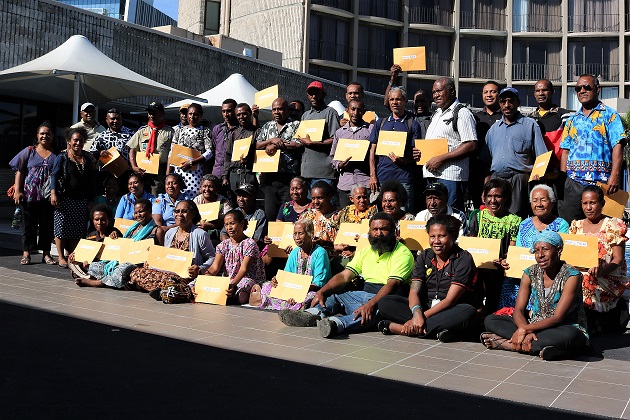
[240, 171]
[436, 196]
[386, 267]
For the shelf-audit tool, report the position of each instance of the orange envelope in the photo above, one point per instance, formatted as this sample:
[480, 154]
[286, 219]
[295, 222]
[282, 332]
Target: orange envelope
[540, 165]
[580, 250]
[251, 228]
[181, 154]
[264, 98]
[314, 129]
[430, 148]
[150, 165]
[241, 148]
[212, 289]
[276, 234]
[483, 250]
[123, 225]
[135, 252]
[265, 163]
[114, 163]
[356, 149]
[348, 232]
[391, 141]
[209, 211]
[410, 58]
[170, 259]
[87, 250]
[369, 116]
[519, 258]
[415, 235]
[287, 236]
[615, 204]
[111, 249]
[291, 285]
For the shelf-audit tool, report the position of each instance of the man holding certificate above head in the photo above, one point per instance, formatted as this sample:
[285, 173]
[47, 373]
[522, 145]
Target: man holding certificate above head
[395, 166]
[237, 169]
[277, 136]
[149, 147]
[386, 266]
[512, 145]
[352, 163]
[454, 122]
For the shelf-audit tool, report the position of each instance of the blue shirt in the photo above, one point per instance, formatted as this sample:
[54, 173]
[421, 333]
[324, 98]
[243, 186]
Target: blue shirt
[590, 141]
[385, 168]
[164, 205]
[512, 147]
[127, 202]
[527, 232]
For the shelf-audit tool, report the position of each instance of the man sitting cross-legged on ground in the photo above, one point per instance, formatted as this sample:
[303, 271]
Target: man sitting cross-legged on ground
[385, 266]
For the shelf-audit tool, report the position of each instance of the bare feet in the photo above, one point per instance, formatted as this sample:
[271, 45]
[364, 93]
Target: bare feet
[496, 342]
[88, 282]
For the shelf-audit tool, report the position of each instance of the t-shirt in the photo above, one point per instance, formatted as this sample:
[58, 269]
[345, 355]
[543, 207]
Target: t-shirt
[316, 162]
[377, 269]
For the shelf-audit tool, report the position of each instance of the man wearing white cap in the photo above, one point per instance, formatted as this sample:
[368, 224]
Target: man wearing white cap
[89, 122]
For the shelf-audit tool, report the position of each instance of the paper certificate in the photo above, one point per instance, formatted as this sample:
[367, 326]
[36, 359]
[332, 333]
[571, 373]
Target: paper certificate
[348, 232]
[111, 249]
[114, 163]
[287, 236]
[264, 98]
[540, 165]
[410, 58]
[182, 154]
[314, 129]
[87, 250]
[209, 211]
[123, 225]
[170, 259]
[241, 148]
[430, 148]
[135, 252]
[615, 204]
[369, 116]
[415, 234]
[350, 148]
[150, 165]
[391, 142]
[212, 289]
[291, 285]
[580, 250]
[265, 163]
[519, 258]
[483, 250]
[276, 231]
[251, 228]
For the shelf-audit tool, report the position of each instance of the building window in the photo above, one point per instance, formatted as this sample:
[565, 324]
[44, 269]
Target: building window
[329, 39]
[599, 58]
[537, 16]
[213, 14]
[483, 14]
[605, 92]
[339, 4]
[328, 73]
[471, 94]
[376, 46]
[526, 95]
[373, 82]
[390, 9]
[593, 16]
[482, 58]
[536, 59]
[432, 12]
[437, 51]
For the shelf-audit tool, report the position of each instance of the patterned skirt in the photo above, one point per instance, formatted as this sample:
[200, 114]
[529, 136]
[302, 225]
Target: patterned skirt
[71, 218]
[192, 179]
[149, 279]
[117, 279]
[275, 304]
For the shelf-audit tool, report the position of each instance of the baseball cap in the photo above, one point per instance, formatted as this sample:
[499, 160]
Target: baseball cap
[508, 90]
[316, 85]
[155, 106]
[436, 187]
[183, 107]
[248, 189]
[87, 105]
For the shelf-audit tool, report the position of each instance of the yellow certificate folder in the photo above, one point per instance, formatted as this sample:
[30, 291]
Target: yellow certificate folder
[182, 154]
[430, 148]
[123, 225]
[114, 163]
[170, 259]
[264, 98]
[87, 250]
[369, 116]
[314, 129]
[241, 148]
[209, 211]
[483, 250]
[277, 231]
[580, 250]
[391, 142]
[415, 235]
[540, 165]
[212, 289]
[348, 233]
[615, 203]
[350, 148]
[519, 258]
[410, 58]
[150, 165]
[135, 252]
[111, 249]
[291, 285]
[265, 163]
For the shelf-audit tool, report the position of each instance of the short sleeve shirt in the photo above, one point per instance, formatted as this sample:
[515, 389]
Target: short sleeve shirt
[378, 269]
[289, 159]
[140, 140]
[108, 139]
[165, 206]
[316, 163]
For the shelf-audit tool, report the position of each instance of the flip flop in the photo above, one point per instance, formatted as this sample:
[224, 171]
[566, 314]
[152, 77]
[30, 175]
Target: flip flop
[47, 259]
[26, 260]
[495, 343]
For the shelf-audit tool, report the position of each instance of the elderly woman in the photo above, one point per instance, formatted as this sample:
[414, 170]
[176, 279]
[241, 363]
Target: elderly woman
[194, 136]
[32, 189]
[556, 325]
[359, 210]
[291, 210]
[322, 213]
[604, 284]
[127, 203]
[542, 199]
[392, 198]
[71, 188]
[308, 259]
[442, 301]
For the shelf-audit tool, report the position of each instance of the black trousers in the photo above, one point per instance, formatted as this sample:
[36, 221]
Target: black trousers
[276, 188]
[37, 214]
[457, 318]
[570, 200]
[565, 337]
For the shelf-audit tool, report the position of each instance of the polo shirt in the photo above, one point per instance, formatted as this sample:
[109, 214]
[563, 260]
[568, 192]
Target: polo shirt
[127, 202]
[354, 173]
[165, 206]
[484, 122]
[378, 269]
[92, 132]
[316, 162]
[140, 140]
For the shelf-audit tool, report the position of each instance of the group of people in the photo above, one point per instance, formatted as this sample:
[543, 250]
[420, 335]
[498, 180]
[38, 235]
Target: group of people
[434, 293]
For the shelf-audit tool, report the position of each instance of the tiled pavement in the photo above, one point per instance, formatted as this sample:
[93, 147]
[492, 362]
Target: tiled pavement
[588, 385]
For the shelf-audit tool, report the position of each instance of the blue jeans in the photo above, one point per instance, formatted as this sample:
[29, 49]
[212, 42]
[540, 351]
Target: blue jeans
[345, 304]
[456, 191]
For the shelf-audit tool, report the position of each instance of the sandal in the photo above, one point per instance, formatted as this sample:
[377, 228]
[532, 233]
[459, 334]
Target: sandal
[26, 260]
[383, 326]
[496, 343]
[47, 259]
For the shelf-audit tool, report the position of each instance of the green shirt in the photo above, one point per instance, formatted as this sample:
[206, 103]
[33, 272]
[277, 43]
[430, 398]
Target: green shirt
[140, 140]
[378, 269]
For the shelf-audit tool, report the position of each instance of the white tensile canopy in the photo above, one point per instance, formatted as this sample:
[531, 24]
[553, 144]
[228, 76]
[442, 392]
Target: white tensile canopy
[235, 87]
[76, 72]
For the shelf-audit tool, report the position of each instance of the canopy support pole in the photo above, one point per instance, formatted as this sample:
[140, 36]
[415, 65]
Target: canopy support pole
[75, 100]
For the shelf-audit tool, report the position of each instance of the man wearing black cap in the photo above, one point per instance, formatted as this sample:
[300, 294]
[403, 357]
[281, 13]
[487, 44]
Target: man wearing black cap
[246, 200]
[90, 123]
[512, 145]
[152, 141]
[436, 196]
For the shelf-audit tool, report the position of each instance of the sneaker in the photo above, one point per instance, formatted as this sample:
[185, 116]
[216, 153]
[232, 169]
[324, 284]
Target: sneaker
[446, 336]
[78, 271]
[327, 328]
[298, 318]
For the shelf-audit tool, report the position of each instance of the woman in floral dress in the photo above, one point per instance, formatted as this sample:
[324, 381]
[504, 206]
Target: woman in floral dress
[291, 210]
[322, 213]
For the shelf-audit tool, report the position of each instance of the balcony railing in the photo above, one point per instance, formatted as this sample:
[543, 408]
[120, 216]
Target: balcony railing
[438, 67]
[605, 72]
[390, 9]
[494, 21]
[338, 4]
[532, 71]
[594, 23]
[537, 23]
[472, 69]
[374, 59]
[329, 51]
[431, 15]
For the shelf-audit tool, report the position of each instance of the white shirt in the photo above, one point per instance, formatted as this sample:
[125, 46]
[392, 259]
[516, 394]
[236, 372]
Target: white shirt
[425, 215]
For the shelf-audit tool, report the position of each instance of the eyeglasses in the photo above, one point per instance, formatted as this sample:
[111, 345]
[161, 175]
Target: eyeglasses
[587, 88]
[508, 101]
[182, 211]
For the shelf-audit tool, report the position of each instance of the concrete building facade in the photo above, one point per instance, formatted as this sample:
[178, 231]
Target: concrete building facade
[141, 12]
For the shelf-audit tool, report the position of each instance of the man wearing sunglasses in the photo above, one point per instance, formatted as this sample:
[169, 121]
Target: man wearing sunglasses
[592, 148]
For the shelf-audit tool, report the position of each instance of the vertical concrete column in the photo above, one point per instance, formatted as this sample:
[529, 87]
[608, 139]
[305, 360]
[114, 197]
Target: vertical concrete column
[509, 20]
[564, 8]
[354, 44]
[404, 40]
[622, 49]
[305, 35]
[456, 23]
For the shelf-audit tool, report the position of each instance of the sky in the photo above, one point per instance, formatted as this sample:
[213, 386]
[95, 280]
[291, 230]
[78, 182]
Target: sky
[167, 6]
